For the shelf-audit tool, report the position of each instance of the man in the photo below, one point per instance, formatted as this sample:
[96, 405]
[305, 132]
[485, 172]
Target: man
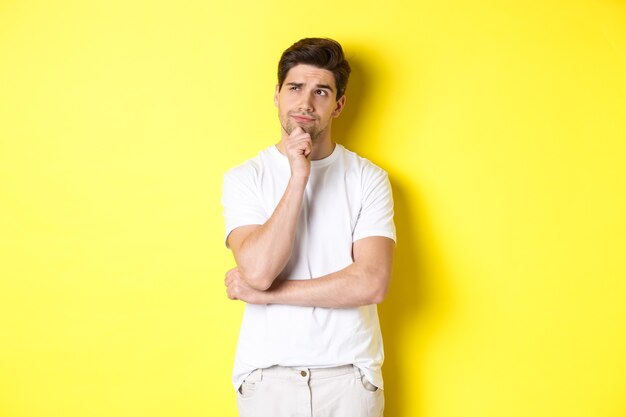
[311, 228]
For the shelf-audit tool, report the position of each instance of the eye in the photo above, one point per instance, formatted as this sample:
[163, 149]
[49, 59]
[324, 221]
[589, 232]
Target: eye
[321, 92]
[294, 88]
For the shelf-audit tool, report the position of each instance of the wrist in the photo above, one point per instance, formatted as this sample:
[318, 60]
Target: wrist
[261, 297]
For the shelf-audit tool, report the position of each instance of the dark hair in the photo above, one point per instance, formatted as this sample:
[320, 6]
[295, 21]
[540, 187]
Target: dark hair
[320, 52]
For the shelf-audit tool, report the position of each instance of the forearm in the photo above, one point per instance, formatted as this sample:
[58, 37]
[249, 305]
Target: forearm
[353, 286]
[363, 282]
[264, 253]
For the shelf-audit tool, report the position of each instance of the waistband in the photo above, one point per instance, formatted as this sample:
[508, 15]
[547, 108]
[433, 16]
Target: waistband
[304, 374]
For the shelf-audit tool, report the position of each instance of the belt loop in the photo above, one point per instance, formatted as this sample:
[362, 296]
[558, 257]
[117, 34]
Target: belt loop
[261, 376]
[357, 372]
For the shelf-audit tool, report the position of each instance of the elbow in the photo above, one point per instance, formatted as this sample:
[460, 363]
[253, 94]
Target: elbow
[261, 284]
[258, 281]
[378, 288]
[378, 295]
[377, 299]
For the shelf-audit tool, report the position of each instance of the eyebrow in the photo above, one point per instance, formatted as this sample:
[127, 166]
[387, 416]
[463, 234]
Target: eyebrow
[324, 86]
[327, 87]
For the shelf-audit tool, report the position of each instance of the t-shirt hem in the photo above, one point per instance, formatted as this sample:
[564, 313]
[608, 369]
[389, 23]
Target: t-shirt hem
[375, 233]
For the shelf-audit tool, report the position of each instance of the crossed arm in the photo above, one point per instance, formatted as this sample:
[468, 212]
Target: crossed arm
[262, 252]
[363, 282]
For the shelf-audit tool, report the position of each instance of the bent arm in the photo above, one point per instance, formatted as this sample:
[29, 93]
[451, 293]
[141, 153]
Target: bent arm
[262, 251]
[363, 282]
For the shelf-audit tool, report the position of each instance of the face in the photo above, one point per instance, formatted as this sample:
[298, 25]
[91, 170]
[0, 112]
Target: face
[307, 99]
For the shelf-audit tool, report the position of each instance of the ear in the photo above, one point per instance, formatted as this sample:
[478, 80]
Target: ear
[339, 106]
[276, 93]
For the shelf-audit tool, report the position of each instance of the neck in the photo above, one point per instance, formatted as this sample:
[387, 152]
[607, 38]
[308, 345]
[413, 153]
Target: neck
[322, 150]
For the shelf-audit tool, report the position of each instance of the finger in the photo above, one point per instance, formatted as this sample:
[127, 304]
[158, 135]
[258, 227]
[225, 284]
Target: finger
[297, 135]
[301, 143]
[296, 131]
[305, 147]
[229, 278]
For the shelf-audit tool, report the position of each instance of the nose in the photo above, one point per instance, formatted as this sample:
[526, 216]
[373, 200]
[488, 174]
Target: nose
[306, 103]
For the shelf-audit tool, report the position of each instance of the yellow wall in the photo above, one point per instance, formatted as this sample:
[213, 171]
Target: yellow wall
[501, 123]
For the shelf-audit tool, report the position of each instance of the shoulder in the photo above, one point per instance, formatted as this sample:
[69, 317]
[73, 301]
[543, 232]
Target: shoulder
[250, 169]
[246, 170]
[361, 166]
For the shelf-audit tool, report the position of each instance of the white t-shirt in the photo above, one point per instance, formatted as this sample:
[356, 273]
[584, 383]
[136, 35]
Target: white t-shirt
[347, 198]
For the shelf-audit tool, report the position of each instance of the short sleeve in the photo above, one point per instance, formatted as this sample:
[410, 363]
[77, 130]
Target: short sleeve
[240, 199]
[376, 214]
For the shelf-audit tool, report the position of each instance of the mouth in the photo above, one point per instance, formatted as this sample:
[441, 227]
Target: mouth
[302, 119]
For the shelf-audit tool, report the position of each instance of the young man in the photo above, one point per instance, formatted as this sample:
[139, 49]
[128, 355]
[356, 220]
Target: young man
[311, 227]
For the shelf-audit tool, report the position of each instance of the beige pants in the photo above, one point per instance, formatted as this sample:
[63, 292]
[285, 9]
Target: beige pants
[301, 392]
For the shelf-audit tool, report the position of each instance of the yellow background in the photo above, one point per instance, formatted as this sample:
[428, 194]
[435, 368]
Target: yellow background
[501, 123]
